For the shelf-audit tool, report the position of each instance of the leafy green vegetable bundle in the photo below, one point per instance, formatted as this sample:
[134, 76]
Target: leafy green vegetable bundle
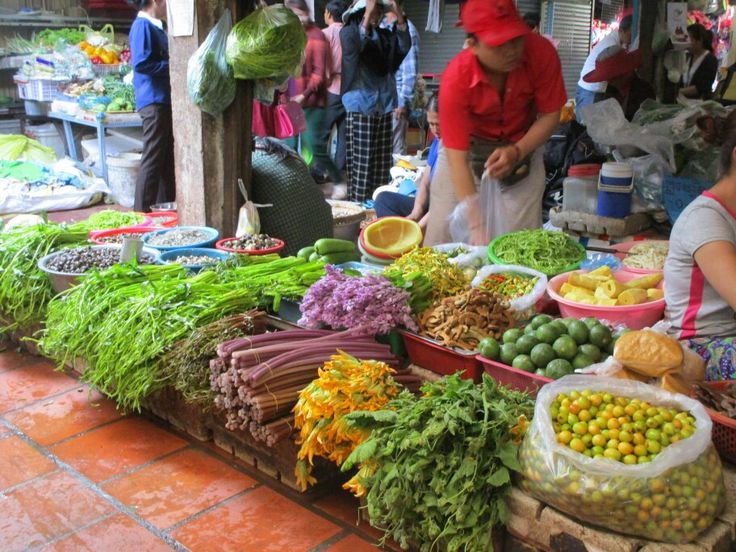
[269, 43]
[438, 469]
[121, 321]
[24, 289]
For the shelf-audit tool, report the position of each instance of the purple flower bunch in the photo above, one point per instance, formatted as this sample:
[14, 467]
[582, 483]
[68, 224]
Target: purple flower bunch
[369, 303]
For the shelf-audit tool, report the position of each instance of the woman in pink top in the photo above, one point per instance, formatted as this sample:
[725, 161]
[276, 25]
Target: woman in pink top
[700, 268]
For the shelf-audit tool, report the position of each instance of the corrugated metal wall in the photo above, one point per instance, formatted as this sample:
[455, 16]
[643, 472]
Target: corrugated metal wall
[436, 49]
[527, 6]
[569, 22]
[610, 9]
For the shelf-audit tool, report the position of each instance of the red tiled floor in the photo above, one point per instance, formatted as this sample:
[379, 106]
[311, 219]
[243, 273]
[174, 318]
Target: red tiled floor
[47, 508]
[19, 388]
[260, 521]
[20, 462]
[115, 448]
[178, 487]
[117, 533]
[50, 421]
[352, 544]
[10, 359]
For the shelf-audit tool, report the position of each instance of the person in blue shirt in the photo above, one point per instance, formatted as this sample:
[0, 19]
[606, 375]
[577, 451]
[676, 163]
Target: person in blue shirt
[149, 48]
[370, 57]
[415, 208]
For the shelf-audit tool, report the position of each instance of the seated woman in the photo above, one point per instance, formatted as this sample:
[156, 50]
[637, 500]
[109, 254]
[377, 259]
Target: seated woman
[391, 204]
[700, 268]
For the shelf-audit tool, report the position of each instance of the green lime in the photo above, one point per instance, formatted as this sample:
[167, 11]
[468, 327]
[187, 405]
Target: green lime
[526, 343]
[529, 330]
[512, 335]
[568, 321]
[541, 372]
[582, 361]
[565, 347]
[560, 325]
[558, 368]
[542, 354]
[523, 362]
[508, 353]
[600, 336]
[540, 320]
[590, 351]
[578, 331]
[489, 348]
[590, 322]
[547, 333]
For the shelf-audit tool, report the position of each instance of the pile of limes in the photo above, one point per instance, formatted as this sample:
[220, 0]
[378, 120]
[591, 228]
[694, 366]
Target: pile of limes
[631, 431]
[552, 347]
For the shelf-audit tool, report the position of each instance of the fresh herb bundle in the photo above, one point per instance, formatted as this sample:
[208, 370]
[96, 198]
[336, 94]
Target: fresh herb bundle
[437, 469]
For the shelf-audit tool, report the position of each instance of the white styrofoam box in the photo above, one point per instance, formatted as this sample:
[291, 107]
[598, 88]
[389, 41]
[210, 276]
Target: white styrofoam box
[47, 135]
[113, 146]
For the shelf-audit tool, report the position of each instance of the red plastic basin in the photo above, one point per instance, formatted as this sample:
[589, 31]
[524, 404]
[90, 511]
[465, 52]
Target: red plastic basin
[439, 359]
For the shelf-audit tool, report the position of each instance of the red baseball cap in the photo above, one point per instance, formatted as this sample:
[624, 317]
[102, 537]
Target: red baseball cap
[493, 22]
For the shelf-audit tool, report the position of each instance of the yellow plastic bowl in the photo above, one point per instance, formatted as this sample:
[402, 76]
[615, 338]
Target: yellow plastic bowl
[391, 236]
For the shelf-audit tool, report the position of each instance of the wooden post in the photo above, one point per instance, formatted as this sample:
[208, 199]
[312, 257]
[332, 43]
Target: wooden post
[211, 153]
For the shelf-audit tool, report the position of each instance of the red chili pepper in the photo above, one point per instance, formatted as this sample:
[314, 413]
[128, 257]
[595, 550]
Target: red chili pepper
[96, 60]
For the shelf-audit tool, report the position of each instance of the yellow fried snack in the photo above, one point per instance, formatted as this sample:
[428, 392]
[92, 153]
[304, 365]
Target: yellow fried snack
[634, 296]
[583, 280]
[612, 288]
[654, 294]
[645, 282]
[602, 299]
[604, 270]
[648, 353]
[569, 288]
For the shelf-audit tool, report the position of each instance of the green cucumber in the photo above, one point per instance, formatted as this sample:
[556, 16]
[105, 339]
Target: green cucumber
[326, 246]
[305, 252]
[340, 257]
[314, 257]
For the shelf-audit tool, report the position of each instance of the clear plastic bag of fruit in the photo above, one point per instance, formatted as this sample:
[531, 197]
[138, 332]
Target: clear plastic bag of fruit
[672, 496]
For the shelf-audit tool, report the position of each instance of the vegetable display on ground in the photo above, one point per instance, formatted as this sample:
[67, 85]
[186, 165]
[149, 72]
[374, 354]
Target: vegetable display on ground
[436, 470]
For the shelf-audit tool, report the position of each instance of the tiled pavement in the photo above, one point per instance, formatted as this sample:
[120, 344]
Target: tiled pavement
[77, 475]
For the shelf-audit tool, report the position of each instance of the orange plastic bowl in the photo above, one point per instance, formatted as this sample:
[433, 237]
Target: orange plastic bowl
[275, 249]
[634, 317]
[391, 237]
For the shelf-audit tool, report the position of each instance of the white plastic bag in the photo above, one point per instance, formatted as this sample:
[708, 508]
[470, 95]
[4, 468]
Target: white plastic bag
[672, 498]
[523, 307]
[210, 79]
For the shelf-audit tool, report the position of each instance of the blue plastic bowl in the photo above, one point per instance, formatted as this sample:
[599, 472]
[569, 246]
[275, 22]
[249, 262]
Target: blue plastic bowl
[212, 233]
[169, 257]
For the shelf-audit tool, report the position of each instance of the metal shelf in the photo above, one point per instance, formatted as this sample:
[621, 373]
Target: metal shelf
[60, 21]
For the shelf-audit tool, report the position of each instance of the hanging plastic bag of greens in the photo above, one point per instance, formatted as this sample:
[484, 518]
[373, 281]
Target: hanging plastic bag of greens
[210, 79]
[249, 222]
[269, 43]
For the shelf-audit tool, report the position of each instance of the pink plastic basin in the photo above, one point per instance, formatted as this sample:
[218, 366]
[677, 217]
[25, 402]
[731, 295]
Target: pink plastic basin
[635, 317]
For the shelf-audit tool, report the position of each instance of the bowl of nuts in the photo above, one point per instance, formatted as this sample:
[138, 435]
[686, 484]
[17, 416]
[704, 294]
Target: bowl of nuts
[65, 267]
[259, 244]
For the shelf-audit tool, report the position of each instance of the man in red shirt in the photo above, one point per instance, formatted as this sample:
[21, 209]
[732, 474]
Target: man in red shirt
[500, 100]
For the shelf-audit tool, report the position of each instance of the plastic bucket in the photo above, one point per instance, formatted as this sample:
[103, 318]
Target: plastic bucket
[122, 172]
[615, 184]
[47, 135]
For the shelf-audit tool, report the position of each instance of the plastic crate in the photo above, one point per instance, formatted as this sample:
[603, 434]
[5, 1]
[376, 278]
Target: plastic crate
[679, 192]
[41, 90]
[431, 355]
[512, 377]
[724, 429]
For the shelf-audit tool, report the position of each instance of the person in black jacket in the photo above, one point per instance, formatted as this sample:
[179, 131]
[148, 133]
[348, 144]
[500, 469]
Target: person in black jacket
[701, 73]
[370, 57]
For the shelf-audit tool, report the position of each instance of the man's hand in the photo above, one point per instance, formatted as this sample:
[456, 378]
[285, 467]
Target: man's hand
[394, 7]
[400, 113]
[502, 161]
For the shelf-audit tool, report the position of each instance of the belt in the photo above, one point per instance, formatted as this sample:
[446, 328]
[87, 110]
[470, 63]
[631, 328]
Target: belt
[481, 150]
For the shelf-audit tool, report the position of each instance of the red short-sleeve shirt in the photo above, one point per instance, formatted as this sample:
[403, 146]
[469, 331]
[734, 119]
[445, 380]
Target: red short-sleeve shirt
[471, 106]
